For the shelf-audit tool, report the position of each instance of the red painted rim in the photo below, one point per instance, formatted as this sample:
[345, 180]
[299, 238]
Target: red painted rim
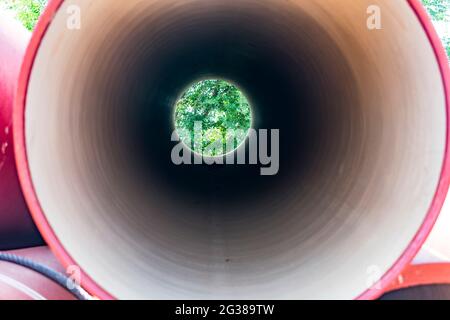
[21, 153]
[92, 287]
[442, 188]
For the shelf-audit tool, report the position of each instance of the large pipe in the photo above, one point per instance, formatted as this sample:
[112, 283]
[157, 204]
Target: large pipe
[363, 125]
[17, 229]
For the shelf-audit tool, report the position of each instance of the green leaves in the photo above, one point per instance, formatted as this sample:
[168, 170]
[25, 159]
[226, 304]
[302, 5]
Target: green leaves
[438, 9]
[27, 11]
[446, 41]
[220, 108]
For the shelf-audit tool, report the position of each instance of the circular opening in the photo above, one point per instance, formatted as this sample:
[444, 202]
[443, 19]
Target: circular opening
[213, 117]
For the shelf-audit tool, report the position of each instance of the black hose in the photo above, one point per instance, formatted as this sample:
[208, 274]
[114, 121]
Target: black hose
[61, 279]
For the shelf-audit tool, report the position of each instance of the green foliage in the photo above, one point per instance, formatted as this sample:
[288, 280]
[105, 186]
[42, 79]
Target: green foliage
[27, 11]
[438, 9]
[446, 42]
[221, 109]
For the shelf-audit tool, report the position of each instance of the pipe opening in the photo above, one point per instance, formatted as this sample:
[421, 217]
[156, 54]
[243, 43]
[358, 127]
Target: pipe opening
[212, 118]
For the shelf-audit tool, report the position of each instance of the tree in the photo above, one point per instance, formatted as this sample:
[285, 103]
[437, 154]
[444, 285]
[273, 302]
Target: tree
[439, 11]
[26, 11]
[220, 108]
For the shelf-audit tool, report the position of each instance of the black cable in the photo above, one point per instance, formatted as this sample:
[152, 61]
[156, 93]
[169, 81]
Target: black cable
[61, 279]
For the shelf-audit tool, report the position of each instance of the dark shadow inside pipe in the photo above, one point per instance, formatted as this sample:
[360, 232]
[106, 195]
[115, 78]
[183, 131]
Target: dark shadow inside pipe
[290, 85]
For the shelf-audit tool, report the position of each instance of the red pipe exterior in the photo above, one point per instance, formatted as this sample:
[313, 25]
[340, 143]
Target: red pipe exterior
[17, 229]
[20, 283]
[95, 289]
[421, 275]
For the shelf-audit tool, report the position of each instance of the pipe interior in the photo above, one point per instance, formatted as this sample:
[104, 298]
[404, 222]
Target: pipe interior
[362, 125]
